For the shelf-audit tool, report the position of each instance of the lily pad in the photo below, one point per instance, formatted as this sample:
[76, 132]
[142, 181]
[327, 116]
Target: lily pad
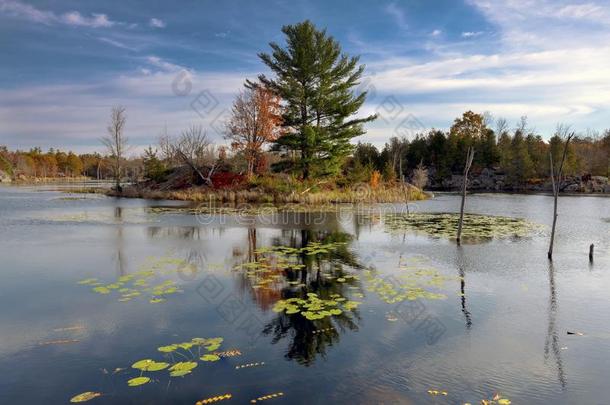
[210, 357]
[135, 382]
[476, 228]
[85, 396]
[149, 365]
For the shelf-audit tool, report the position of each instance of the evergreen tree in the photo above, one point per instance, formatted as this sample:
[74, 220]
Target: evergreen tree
[315, 80]
[521, 167]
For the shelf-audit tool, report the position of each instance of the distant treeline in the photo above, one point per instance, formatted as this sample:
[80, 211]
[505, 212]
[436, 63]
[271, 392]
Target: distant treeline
[57, 163]
[520, 153]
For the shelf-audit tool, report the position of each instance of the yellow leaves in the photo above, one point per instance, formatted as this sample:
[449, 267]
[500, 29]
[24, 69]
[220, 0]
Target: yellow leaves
[262, 363]
[85, 396]
[211, 400]
[437, 392]
[267, 397]
[228, 353]
[496, 400]
[59, 342]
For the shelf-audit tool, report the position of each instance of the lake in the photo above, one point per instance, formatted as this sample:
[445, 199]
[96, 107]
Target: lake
[91, 285]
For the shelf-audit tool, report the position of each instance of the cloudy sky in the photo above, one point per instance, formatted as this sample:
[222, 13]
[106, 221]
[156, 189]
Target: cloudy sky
[64, 64]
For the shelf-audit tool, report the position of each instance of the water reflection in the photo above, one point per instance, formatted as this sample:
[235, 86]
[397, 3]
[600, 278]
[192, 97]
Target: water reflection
[119, 242]
[461, 264]
[551, 345]
[314, 273]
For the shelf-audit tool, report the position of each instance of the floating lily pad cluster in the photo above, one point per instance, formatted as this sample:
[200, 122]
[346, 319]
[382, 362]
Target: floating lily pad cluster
[140, 283]
[269, 267]
[475, 227]
[413, 281]
[314, 308]
[189, 353]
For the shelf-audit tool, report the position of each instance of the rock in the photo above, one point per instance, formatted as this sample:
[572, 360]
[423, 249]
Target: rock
[4, 177]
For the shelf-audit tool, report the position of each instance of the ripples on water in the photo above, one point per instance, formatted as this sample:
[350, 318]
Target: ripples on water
[502, 328]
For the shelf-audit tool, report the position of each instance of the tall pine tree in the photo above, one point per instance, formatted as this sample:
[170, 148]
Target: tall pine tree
[316, 81]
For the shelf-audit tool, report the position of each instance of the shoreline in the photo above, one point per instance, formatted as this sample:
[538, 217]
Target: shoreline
[363, 194]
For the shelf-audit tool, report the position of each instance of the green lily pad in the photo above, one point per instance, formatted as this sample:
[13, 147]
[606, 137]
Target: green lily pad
[134, 382]
[210, 357]
[101, 290]
[149, 365]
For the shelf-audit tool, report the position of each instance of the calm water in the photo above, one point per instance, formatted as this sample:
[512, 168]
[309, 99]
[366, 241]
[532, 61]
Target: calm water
[502, 328]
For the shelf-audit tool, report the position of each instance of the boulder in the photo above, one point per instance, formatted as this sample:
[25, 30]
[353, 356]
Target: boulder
[4, 177]
[572, 188]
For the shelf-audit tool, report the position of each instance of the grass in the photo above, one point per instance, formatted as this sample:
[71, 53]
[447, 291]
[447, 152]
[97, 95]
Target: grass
[311, 196]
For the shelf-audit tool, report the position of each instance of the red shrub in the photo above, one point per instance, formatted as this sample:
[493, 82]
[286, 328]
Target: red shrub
[227, 179]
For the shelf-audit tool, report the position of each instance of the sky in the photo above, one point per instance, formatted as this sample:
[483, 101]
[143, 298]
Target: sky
[64, 64]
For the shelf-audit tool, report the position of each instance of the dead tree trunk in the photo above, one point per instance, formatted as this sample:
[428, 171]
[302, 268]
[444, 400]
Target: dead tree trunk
[207, 179]
[556, 181]
[469, 158]
[406, 192]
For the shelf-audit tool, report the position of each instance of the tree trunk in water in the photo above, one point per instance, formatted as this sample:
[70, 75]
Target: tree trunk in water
[556, 180]
[555, 195]
[406, 191]
[118, 178]
[469, 157]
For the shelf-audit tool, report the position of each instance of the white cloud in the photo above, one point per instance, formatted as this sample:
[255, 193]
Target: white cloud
[72, 115]
[157, 23]
[164, 64]
[116, 43]
[470, 34]
[74, 18]
[587, 10]
[96, 21]
[18, 9]
[436, 33]
[547, 60]
[398, 14]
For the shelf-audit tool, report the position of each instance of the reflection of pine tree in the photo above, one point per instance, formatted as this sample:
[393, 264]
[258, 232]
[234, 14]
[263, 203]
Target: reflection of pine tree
[308, 338]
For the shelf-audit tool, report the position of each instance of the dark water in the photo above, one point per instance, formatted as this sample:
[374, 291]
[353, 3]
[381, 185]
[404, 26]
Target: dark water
[501, 328]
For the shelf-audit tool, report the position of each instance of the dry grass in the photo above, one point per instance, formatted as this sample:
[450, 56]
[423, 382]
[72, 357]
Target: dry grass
[382, 194]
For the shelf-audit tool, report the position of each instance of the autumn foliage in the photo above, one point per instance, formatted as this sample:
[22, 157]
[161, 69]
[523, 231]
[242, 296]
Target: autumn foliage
[255, 121]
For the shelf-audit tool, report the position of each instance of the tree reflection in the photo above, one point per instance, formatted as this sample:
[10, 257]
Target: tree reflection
[551, 345]
[461, 265]
[317, 274]
[119, 242]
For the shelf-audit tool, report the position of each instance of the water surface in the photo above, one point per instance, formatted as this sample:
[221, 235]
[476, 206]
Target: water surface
[501, 328]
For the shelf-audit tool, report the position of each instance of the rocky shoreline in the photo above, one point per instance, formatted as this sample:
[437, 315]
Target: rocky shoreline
[495, 180]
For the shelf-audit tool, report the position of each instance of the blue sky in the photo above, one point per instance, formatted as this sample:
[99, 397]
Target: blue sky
[64, 64]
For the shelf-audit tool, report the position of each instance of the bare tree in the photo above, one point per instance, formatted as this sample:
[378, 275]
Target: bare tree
[116, 142]
[562, 131]
[420, 176]
[194, 149]
[469, 158]
[166, 147]
[501, 126]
